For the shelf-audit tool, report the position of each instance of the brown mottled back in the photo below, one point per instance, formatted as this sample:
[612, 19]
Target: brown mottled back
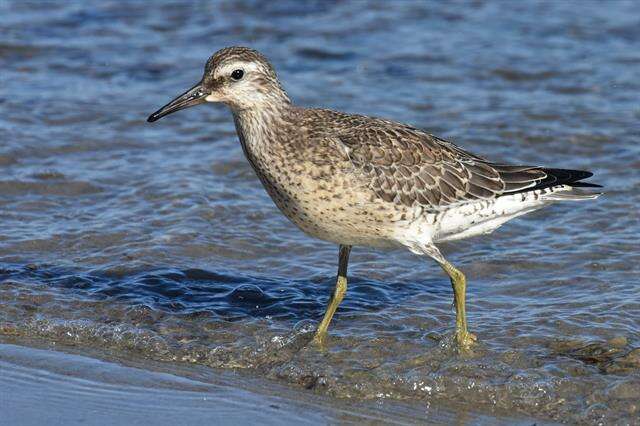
[405, 165]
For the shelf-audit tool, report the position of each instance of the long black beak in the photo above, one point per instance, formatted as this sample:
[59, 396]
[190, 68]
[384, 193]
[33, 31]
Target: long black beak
[192, 97]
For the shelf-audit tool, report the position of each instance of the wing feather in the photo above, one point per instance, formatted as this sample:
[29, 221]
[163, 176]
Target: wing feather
[402, 164]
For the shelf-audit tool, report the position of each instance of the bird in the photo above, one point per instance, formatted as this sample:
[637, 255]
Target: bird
[355, 180]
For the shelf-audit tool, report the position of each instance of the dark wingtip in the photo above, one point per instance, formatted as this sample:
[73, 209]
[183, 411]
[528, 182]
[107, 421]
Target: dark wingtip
[153, 117]
[556, 177]
[585, 185]
[568, 177]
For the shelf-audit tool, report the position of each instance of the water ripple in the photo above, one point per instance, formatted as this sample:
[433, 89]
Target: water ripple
[159, 240]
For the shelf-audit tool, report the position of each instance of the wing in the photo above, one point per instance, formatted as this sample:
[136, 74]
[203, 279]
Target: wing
[404, 165]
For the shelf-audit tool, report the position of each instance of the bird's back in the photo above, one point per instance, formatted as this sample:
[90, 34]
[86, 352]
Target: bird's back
[409, 166]
[419, 179]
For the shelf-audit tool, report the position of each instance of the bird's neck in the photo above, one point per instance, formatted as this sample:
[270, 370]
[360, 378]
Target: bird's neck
[260, 129]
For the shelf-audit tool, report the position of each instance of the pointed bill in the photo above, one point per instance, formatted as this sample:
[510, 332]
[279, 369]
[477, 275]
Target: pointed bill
[194, 96]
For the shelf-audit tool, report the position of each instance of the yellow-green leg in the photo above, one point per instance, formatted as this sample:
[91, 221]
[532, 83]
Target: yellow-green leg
[337, 296]
[459, 284]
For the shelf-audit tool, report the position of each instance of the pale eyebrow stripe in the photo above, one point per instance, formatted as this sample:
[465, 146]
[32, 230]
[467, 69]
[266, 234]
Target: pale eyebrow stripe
[228, 68]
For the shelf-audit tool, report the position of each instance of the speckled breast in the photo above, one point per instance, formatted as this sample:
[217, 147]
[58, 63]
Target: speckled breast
[323, 200]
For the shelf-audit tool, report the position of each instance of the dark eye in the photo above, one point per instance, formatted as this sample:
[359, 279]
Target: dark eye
[237, 74]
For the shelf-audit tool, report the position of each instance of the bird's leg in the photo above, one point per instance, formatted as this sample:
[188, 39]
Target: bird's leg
[337, 296]
[459, 284]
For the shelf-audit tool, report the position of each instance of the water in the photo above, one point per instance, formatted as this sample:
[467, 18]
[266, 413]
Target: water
[158, 241]
[87, 391]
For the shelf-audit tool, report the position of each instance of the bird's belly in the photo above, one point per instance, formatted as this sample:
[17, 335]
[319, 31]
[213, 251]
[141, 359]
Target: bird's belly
[334, 211]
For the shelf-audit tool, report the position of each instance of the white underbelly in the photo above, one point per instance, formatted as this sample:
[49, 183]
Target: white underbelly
[472, 219]
[486, 216]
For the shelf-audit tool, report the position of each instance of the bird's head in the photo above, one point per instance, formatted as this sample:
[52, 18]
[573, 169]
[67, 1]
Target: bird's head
[239, 77]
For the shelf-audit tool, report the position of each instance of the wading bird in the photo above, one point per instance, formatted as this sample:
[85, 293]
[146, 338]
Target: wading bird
[361, 181]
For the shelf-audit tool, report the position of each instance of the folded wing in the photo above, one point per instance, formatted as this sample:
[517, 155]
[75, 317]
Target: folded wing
[405, 165]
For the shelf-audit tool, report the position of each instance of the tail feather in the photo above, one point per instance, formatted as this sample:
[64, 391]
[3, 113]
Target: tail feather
[572, 195]
[585, 185]
[558, 177]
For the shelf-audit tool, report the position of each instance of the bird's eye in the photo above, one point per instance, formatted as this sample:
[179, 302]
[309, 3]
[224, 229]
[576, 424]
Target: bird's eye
[237, 74]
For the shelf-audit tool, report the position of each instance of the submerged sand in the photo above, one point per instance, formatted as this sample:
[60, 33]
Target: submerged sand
[45, 386]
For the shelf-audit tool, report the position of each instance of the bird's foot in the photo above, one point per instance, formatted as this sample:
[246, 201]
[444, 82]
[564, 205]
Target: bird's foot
[465, 339]
[319, 339]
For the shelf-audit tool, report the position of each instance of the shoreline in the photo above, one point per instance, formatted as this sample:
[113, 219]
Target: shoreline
[52, 386]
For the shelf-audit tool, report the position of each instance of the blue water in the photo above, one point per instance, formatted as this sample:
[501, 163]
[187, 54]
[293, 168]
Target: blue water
[159, 240]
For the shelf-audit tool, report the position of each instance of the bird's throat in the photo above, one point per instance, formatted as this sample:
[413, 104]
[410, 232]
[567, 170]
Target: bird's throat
[258, 128]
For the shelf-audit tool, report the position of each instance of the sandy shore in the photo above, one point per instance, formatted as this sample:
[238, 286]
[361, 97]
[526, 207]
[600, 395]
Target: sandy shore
[43, 386]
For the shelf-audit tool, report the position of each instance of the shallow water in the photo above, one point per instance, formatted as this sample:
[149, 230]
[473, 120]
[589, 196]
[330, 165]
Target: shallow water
[88, 391]
[158, 240]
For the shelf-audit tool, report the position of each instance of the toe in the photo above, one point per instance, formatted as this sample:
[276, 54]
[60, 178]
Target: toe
[466, 339]
[319, 339]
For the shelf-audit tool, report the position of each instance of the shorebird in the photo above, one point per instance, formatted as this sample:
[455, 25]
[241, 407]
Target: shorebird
[361, 181]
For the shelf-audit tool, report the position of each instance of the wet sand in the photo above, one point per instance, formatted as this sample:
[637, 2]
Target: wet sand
[44, 386]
